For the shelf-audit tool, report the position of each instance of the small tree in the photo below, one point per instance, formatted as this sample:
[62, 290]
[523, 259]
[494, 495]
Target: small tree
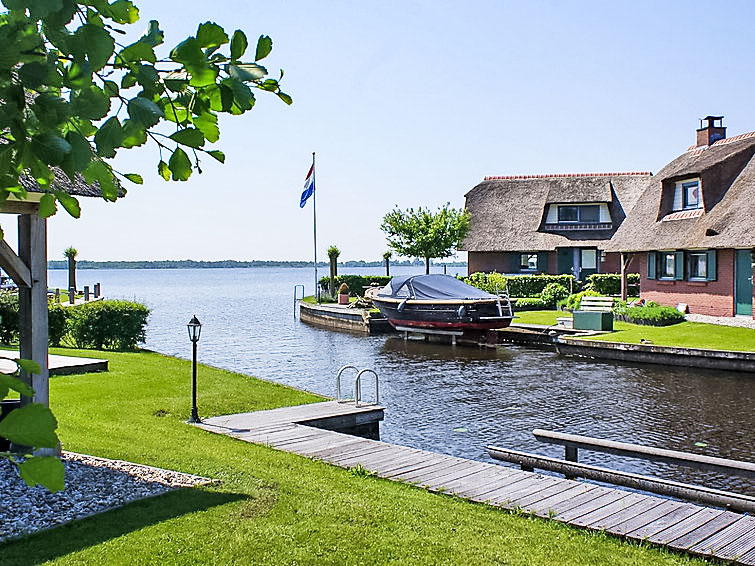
[387, 259]
[333, 253]
[70, 253]
[422, 233]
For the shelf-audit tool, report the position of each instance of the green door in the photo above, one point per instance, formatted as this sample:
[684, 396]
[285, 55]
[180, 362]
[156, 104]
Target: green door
[743, 282]
[564, 260]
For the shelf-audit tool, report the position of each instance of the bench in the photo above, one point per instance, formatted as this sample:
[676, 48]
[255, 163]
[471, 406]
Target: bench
[594, 314]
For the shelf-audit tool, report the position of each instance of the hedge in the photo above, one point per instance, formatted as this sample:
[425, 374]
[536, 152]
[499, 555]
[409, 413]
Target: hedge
[519, 285]
[356, 283]
[101, 324]
[529, 304]
[610, 284]
[651, 314]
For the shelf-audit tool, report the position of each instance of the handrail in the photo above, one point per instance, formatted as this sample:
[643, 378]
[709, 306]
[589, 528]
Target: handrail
[295, 297]
[572, 442]
[358, 387]
[338, 381]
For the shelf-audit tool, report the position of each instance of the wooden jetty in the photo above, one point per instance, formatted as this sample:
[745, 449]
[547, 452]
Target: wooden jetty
[58, 365]
[686, 527]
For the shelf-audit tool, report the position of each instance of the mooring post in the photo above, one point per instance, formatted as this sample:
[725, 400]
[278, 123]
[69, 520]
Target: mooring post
[72, 295]
[57, 295]
[96, 290]
[86, 293]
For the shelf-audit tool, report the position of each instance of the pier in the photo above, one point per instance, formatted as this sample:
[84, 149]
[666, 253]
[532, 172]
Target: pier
[319, 431]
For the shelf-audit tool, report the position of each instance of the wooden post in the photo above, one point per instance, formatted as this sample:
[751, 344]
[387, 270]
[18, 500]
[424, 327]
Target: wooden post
[86, 293]
[71, 295]
[626, 259]
[32, 304]
[96, 290]
[57, 295]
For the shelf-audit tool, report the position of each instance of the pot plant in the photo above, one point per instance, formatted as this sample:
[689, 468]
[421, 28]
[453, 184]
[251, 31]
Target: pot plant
[343, 294]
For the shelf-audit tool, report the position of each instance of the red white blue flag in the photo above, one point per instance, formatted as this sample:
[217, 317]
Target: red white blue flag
[309, 186]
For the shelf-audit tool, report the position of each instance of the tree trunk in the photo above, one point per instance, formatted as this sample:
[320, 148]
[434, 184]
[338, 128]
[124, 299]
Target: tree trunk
[427, 266]
[71, 272]
[387, 267]
[333, 275]
[626, 259]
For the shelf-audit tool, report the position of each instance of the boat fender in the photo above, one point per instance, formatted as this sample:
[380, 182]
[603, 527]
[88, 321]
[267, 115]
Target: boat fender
[462, 312]
[401, 305]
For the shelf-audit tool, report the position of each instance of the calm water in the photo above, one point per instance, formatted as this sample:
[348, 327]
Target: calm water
[455, 401]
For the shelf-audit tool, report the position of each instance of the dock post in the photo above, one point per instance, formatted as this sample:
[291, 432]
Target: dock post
[86, 293]
[96, 290]
[57, 295]
[72, 295]
[570, 454]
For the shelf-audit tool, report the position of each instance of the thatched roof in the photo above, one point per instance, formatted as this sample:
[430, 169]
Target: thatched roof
[79, 188]
[727, 170]
[508, 213]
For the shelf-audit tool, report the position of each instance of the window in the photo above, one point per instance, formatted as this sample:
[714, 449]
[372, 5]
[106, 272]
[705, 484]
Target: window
[687, 195]
[589, 259]
[580, 214]
[698, 265]
[528, 261]
[668, 265]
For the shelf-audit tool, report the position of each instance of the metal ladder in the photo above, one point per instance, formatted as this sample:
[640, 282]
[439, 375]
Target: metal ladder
[504, 295]
[357, 386]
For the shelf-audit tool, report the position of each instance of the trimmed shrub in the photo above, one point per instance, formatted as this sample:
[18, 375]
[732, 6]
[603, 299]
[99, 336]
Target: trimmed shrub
[606, 284]
[650, 315]
[355, 283]
[57, 323]
[573, 301]
[117, 325]
[518, 285]
[553, 293]
[529, 304]
[9, 314]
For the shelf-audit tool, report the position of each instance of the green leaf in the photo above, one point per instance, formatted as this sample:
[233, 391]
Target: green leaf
[134, 178]
[100, 172]
[285, 98]
[11, 382]
[111, 89]
[91, 103]
[190, 54]
[123, 12]
[70, 204]
[207, 123]
[188, 136]
[98, 44]
[239, 44]
[179, 165]
[134, 134]
[153, 36]
[139, 51]
[37, 8]
[50, 148]
[242, 96]
[217, 154]
[50, 110]
[29, 366]
[246, 71]
[33, 74]
[109, 137]
[210, 34]
[163, 170]
[144, 111]
[43, 470]
[264, 47]
[47, 206]
[81, 152]
[30, 425]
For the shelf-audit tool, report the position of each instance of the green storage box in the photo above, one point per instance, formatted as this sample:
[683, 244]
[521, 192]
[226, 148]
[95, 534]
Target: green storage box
[593, 320]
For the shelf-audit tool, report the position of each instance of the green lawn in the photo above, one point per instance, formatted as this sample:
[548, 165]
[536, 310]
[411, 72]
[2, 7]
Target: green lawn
[272, 507]
[684, 334]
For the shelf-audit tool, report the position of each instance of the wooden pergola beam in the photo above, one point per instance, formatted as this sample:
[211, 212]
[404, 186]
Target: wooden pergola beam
[13, 265]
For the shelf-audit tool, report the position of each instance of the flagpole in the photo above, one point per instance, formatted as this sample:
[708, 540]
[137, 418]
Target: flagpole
[314, 222]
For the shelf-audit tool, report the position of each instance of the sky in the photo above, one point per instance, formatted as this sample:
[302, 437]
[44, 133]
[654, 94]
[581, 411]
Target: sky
[411, 103]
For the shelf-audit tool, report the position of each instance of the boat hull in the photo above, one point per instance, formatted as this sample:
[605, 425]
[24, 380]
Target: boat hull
[445, 315]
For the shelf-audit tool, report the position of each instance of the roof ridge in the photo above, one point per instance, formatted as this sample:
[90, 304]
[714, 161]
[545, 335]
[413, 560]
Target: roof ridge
[724, 141]
[565, 175]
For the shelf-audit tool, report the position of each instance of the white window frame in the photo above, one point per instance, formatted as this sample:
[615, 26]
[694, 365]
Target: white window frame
[525, 265]
[692, 275]
[680, 194]
[579, 214]
[663, 273]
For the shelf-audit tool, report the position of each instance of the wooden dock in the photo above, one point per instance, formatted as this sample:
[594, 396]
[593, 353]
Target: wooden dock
[685, 527]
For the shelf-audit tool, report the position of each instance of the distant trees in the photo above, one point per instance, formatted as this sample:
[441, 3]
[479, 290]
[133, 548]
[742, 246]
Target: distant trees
[70, 253]
[422, 233]
[333, 253]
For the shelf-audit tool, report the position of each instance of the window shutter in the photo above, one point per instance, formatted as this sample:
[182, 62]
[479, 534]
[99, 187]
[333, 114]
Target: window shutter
[712, 266]
[651, 265]
[679, 266]
[542, 262]
[515, 259]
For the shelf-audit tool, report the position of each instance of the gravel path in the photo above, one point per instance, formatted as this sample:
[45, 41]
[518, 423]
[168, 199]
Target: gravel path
[741, 321]
[93, 485]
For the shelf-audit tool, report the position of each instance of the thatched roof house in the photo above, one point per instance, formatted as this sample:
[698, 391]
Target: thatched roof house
[517, 216]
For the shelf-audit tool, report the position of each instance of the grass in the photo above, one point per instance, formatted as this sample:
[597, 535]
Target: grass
[272, 507]
[684, 334]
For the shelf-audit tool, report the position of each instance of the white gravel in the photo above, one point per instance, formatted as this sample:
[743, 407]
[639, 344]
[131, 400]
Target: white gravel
[93, 485]
[741, 321]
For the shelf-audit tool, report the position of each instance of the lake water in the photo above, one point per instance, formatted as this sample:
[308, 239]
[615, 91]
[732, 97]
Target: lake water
[451, 400]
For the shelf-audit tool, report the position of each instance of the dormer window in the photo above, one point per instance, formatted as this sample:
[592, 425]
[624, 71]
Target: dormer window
[687, 195]
[579, 214]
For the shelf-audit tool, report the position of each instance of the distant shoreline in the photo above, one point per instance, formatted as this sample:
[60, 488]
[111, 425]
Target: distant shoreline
[191, 264]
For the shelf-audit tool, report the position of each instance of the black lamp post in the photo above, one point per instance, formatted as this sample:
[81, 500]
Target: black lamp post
[195, 329]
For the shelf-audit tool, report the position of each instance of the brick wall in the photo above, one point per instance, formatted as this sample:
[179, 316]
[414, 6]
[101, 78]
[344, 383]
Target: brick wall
[715, 298]
[612, 263]
[487, 261]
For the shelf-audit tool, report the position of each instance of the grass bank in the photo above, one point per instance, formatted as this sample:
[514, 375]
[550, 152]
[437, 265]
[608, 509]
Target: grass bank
[684, 334]
[272, 507]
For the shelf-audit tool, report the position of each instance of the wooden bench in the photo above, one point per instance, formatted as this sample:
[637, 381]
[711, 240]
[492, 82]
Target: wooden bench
[594, 314]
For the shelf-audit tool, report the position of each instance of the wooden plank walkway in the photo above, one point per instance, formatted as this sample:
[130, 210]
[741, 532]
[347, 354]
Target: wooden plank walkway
[686, 527]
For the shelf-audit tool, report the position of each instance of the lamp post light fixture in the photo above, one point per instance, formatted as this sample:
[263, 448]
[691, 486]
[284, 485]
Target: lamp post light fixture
[195, 329]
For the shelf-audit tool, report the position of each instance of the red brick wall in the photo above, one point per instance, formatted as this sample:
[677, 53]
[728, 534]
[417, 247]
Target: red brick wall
[715, 298]
[487, 261]
[612, 263]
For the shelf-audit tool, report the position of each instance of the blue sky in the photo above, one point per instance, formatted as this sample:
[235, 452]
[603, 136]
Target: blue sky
[411, 104]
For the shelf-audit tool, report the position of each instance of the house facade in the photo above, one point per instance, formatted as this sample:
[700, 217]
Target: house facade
[555, 224]
[691, 234]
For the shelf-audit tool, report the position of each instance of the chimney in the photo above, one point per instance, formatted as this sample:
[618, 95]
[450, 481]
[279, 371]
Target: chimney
[710, 132]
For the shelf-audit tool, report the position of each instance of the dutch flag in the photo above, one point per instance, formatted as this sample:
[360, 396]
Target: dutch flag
[309, 186]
